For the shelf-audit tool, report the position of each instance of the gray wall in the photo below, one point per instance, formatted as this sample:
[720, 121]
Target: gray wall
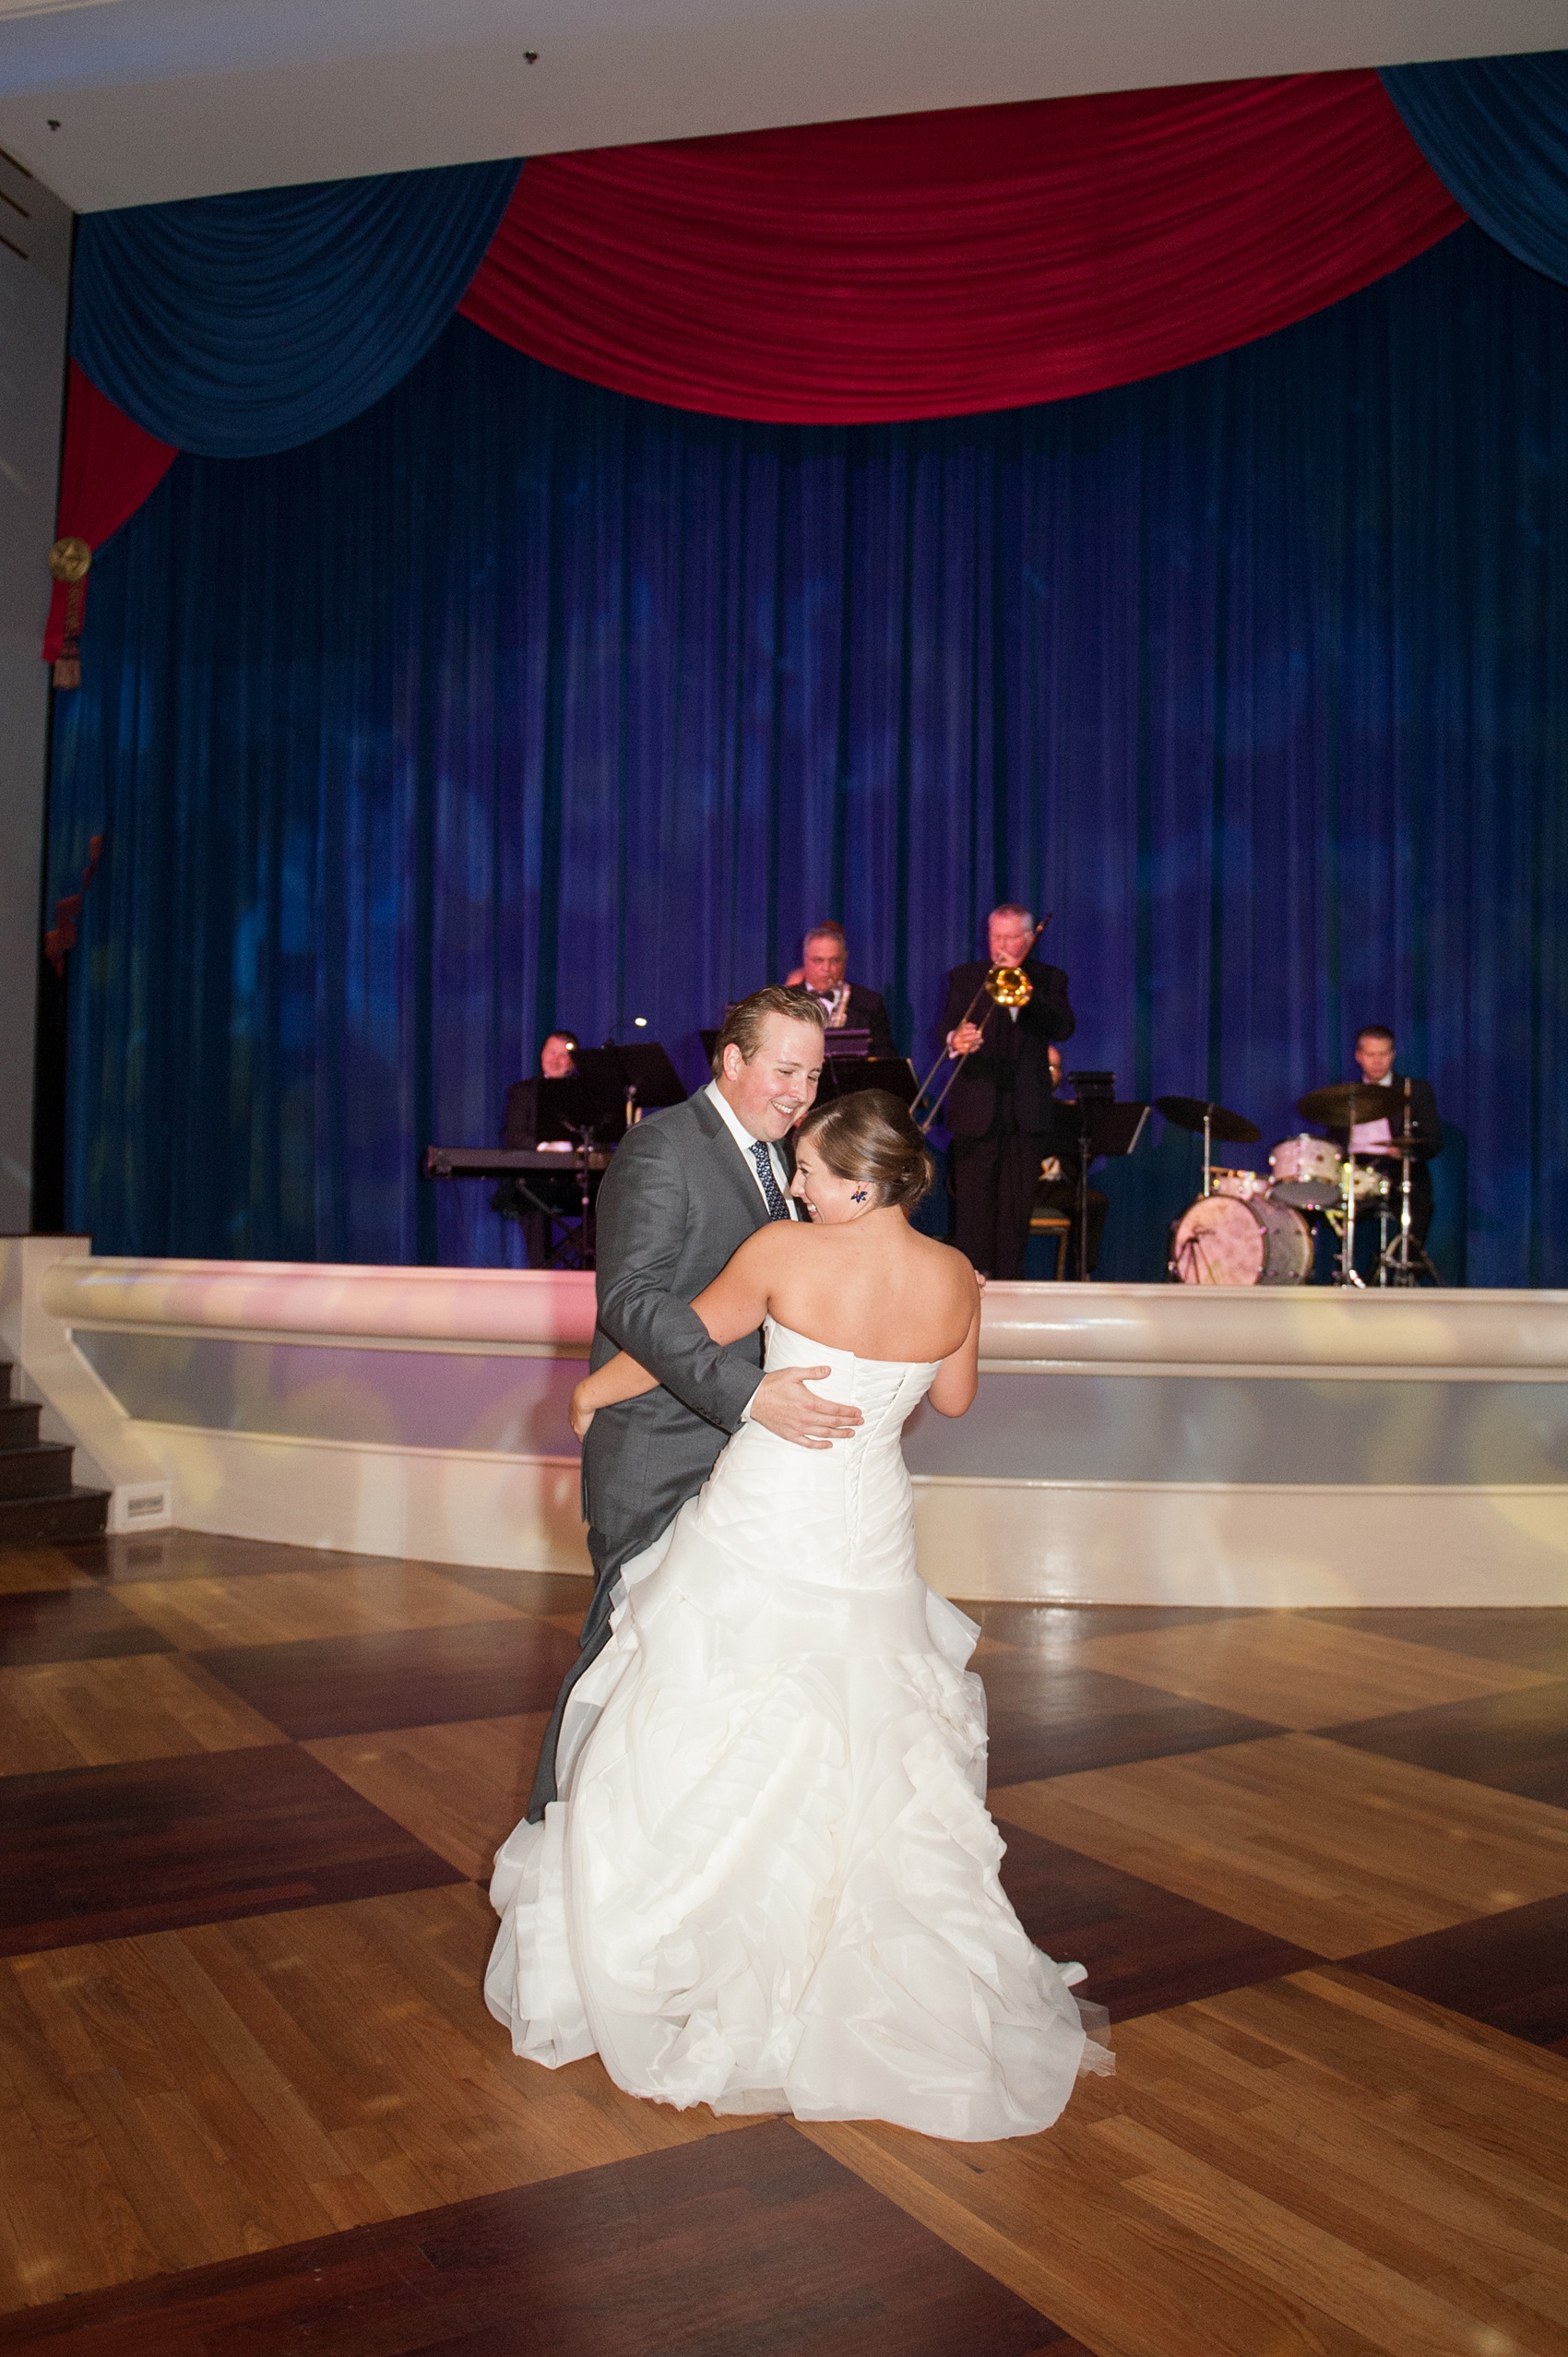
[35, 245]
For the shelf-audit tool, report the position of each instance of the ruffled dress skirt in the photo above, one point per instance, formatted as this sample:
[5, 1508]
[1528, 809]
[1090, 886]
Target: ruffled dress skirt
[771, 1882]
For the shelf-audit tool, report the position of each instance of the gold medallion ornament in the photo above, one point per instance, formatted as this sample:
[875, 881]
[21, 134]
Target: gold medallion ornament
[70, 560]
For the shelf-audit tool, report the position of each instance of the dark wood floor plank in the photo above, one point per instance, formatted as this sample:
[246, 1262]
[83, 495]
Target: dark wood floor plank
[201, 1554]
[1515, 1742]
[1050, 1717]
[99, 1853]
[756, 2241]
[568, 1593]
[1533, 1636]
[71, 1624]
[1058, 1627]
[353, 1685]
[1145, 1949]
[1510, 1971]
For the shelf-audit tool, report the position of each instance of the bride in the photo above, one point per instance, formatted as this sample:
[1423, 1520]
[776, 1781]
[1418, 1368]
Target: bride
[771, 1882]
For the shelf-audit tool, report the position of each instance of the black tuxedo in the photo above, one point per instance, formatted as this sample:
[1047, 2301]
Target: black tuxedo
[865, 1012]
[1014, 1058]
[1426, 1128]
[999, 1110]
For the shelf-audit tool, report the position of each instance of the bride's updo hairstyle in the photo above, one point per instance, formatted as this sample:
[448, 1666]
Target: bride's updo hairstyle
[870, 1136]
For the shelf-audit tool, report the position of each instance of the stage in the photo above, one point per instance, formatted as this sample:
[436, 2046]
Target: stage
[1132, 1444]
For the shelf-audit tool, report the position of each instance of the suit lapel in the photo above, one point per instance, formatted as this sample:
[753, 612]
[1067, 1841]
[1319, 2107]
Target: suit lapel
[728, 1158]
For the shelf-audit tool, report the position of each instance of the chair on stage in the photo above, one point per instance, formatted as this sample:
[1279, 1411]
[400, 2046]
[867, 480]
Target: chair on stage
[1059, 1225]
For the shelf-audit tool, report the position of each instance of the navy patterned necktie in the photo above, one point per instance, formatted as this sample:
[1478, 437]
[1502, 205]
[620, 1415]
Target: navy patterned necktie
[777, 1206]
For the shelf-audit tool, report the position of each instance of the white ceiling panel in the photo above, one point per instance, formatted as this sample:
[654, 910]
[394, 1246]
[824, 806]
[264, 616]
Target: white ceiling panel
[132, 101]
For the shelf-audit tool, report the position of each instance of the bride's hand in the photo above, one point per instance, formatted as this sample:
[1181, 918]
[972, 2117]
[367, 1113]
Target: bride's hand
[579, 1415]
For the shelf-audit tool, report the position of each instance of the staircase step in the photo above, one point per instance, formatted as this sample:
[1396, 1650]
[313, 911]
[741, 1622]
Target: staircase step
[42, 1471]
[27, 1522]
[18, 1424]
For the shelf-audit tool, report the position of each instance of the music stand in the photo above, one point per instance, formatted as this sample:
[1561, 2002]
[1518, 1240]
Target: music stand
[847, 1043]
[581, 1107]
[640, 1075]
[1104, 1128]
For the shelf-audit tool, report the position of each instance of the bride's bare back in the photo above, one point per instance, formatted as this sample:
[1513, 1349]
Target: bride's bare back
[872, 1286]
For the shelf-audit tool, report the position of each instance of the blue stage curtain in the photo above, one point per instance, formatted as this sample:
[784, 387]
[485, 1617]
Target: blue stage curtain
[1495, 131]
[240, 326]
[518, 702]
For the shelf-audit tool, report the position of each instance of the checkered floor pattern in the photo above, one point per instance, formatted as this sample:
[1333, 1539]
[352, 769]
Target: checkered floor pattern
[1317, 1864]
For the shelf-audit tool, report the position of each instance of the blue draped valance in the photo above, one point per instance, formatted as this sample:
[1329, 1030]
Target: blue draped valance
[1495, 131]
[240, 326]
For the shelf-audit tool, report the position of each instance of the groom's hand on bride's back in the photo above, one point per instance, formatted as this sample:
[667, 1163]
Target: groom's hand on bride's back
[783, 1404]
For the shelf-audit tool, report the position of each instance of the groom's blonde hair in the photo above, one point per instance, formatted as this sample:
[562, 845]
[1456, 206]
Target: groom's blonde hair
[742, 1025]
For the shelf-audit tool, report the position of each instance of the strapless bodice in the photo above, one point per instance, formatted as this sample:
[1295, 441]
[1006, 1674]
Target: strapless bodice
[886, 1391]
[839, 1517]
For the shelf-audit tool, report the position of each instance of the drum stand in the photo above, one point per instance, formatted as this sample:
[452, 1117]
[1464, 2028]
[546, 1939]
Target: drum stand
[1404, 1261]
[1347, 1275]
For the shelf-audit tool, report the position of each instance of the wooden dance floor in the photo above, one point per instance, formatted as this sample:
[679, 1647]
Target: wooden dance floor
[1317, 1864]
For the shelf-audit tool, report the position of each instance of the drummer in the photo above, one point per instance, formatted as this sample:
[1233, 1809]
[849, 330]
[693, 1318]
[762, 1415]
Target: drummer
[1375, 1056]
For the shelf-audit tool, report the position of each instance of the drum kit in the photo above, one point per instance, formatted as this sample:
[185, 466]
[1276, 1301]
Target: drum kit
[1248, 1230]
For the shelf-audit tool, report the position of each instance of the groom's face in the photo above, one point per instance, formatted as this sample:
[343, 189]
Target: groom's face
[770, 1095]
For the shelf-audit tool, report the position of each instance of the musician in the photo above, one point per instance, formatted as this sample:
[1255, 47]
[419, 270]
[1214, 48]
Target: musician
[1375, 1050]
[556, 1190]
[1058, 1189]
[824, 960]
[998, 1109]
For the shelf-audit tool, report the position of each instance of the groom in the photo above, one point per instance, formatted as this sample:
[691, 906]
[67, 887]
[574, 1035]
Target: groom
[685, 1189]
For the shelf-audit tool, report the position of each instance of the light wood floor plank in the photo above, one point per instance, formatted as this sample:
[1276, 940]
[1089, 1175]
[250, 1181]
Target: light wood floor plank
[281, 1607]
[258, 2082]
[458, 1788]
[30, 1570]
[137, 1706]
[1051, 2219]
[1299, 1672]
[75, 2201]
[1335, 1848]
[1316, 2165]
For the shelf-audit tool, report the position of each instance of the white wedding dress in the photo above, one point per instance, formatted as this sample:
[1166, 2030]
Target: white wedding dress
[770, 1883]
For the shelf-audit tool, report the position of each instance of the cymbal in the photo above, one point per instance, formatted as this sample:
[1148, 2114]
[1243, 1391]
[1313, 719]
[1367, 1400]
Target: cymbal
[1346, 1102]
[1187, 1112]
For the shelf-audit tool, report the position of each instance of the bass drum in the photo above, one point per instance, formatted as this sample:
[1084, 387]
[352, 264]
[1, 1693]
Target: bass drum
[1221, 1241]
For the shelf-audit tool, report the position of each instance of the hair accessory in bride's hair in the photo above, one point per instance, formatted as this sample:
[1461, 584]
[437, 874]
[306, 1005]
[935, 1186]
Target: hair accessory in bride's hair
[868, 1138]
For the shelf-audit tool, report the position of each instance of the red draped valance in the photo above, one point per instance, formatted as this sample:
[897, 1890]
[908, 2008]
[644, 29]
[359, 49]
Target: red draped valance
[109, 467]
[931, 265]
[915, 266]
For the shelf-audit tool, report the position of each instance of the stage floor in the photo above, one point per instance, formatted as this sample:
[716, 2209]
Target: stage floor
[1316, 1863]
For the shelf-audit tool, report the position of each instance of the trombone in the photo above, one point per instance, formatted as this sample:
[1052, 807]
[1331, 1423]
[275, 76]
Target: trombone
[1005, 986]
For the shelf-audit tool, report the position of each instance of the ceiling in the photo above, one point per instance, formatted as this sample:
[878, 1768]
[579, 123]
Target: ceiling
[131, 102]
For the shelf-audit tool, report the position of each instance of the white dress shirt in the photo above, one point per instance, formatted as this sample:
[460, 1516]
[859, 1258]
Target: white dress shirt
[745, 1141]
[1367, 1134]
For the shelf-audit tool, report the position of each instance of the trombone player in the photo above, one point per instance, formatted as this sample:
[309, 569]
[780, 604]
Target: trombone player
[998, 1106]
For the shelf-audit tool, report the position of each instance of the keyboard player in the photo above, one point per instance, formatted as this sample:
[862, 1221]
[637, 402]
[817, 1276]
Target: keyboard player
[556, 1190]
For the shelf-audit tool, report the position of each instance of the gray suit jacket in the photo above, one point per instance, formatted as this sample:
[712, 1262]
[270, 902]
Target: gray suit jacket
[676, 1202]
